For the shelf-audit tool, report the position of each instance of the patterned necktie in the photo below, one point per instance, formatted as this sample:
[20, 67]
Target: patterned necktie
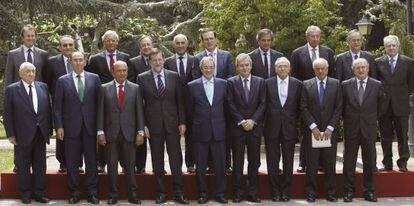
[209, 91]
[283, 92]
[29, 56]
[361, 92]
[392, 67]
[355, 57]
[69, 68]
[181, 69]
[313, 54]
[161, 88]
[120, 95]
[246, 90]
[266, 66]
[80, 87]
[321, 92]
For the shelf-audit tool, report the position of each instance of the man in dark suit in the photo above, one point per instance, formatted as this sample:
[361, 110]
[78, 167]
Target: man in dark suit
[224, 69]
[321, 107]
[58, 66]
[264, 58]
[27, 52]
[27, 121]
[280, 128]
[206, 99]
[343, 64]
[183, 63]
[102, 65]
[120, 128]
[362, 100]
[75, 108]
[137, 66]
[165, 118]
[302, 69]
[395, 71]
[246, 98]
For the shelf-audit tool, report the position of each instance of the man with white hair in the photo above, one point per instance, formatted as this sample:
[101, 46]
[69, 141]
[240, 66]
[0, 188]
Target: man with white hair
[395, 72]
[27, 120]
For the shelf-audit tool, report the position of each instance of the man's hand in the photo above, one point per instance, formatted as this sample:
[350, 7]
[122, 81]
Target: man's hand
[139, 140]
[60, 133]
[249, 124]
[327, 134]
[182, 129]
[12, 140]
[316, 133]
[102, 140]
[146, 132]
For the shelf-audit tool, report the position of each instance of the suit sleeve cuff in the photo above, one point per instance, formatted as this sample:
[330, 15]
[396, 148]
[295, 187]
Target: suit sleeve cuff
[312, 126]
[330, 128]
[241, 122]
[141, 132]
[101, 132]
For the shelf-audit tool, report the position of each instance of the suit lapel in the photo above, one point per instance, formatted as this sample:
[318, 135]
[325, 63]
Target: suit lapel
[276, 86]
[306, 55]
[368, 89]
[215, 91]
[201, 85]
[220, 63]
[104, 63]
[290, 90]
[152, 82]
[174, 63]
[349, 60]
[314, 89]
[189, 66]
[21, 57]
[355, 90]
[25, 96]
[114, 93]
[253, 89]
[272, 60]
[72, 85]
[397, 64]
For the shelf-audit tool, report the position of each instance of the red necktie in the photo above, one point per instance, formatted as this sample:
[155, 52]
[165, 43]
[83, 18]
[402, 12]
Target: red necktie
[111, 62]
[121, 95]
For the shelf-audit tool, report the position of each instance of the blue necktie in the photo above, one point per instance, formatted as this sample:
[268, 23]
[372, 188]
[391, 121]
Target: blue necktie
[161, 88]
[392, 67]
[321, 92]
[29, 56]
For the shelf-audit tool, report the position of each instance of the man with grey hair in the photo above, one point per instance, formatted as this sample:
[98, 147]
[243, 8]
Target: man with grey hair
[395, 71]
[102, 64]
[343, 64]
[302, 69]
[246, 99]
[321, 108]
[264, 57]
[28, 124]
[280, 130]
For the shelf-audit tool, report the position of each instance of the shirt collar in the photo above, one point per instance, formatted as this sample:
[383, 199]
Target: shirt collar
[156, 74]
[26, 85]
[117, 84]
[395, 57]
[365, 80]
[310, 47]
[107, 53]
[205, 80]
[65, 59]
[353, 54]
[76, 75]
[214, 51]
[177, 56]
[248, 78]
[25, 48]
[262, 52]
[280, 80]
[324, 80]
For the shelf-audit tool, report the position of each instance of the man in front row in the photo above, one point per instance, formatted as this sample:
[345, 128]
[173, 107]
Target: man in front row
[321, 107]
[28, 124]
[120, 128]
[362, 101]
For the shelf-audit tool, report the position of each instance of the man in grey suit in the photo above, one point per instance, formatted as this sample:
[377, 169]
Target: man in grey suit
[183, 63]
[75, 108]
[362, 101]
[321, 107]
[28, 125]
[302, 69]
[343, 64]
[27, 52]
[161, 91]
[120, 128]
[264, 57]
[395, 71]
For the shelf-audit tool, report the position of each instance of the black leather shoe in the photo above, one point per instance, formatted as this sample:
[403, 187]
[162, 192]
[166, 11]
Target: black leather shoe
[81, 170]
[237, 199]
[62, 169]
[209, 171]
[385, 169]
[310, 198]
[191, 169]
[370, 197]
[301, 169]
[134, 200]
[403, 169]
[180, 199]
[251, 198]
[229, 170]
[221, 199]
[74, 200]
[101, 169]
[15, 169]
[139, 171]
[161, 199]
[26, 201]
[112, 201]
[284, 198]
[202, 200]
[41, 199]
[348, 197]
[331, 198]
[93, 200]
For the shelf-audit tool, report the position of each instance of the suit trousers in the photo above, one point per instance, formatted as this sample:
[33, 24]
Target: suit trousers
[60, 152]
[189, 153]
[328, 156]
[141, 156]
[101, 156]
[172, 141]
[253, 157]
[117, 150]
[32, 155]
[73, 147]
[277, 146]
[369, 161]
[389, 123]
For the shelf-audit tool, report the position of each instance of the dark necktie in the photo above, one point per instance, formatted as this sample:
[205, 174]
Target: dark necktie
[321, 92]
[146, 62]
[313, 58]
[29, 56]
[120, 95]
[181, 69]
[161, 88]
[392, 67]
[355, 57]
[31, 96]
[266, 65]
[361, 92]
[111, 62]
[80, 87]
[246, 90]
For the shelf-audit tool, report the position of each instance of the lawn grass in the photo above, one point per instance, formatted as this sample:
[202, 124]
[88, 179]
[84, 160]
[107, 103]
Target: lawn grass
[6, 159]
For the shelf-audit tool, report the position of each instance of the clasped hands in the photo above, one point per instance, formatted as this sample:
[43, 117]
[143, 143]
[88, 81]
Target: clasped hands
[318, 136]
[248, 124]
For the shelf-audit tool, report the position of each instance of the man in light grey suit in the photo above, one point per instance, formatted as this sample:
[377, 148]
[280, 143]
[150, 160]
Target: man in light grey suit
[120, 127]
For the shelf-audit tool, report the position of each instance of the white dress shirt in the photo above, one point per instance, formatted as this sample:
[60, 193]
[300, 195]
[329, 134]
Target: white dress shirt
[155, 76]
[108, 58]
[311, 52]
[208, 88]
[26, 51]
[177, 60]
[395, 60]
[75, 79]
[364, 85]
[283, 89]
[249, 78]
[34, 94]
[353, 55]
[268, 60]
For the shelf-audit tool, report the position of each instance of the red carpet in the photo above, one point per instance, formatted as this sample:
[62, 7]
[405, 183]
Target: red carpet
[388, 184]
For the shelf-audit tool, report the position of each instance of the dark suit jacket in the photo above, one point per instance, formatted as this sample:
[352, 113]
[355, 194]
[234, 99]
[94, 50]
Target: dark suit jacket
[361, 117]
[301, 62]
[240, 109]
[225, 67]
[99, 65]
[257, 62]
[166, 111]
[136, 67]
[128, 119]
[344, 61]
[398, 85]
[209, 121]
[331, 110]
[70, 112]
[171, 64]
[278, 118]
[55, 68]
[20, 119]
[16, 57]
